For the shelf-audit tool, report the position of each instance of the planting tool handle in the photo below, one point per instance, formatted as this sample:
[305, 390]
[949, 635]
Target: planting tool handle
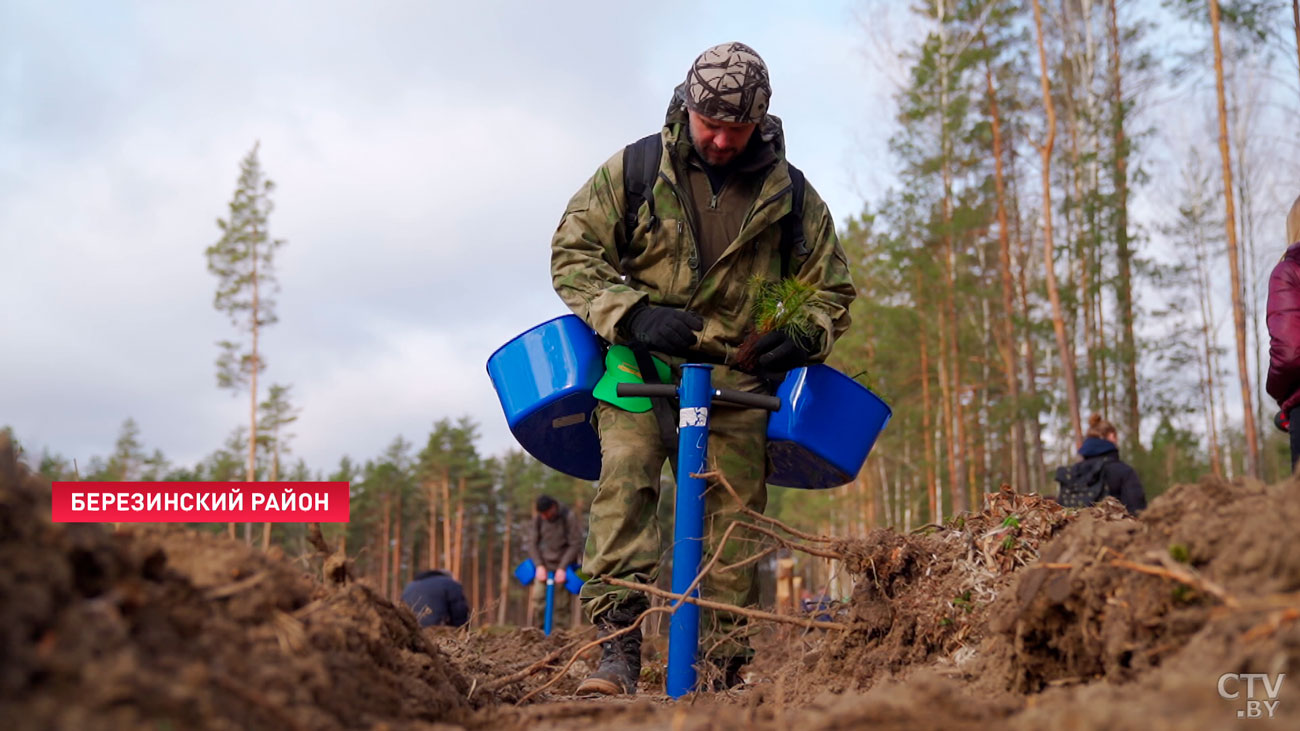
[550, 602]
[724, 395]
[745, 398]
[649, 390]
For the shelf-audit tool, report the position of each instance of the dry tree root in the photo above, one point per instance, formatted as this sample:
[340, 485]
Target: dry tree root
[535, 667]
[335, 563]
[723, 607]
[716, 474]
[1182, 575]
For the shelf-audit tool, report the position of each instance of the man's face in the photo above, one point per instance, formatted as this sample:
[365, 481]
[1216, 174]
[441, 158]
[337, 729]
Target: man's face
[550, 513]
[716, 141]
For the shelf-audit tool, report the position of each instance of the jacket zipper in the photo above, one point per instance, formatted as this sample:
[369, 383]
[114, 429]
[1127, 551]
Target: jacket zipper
[696, 275]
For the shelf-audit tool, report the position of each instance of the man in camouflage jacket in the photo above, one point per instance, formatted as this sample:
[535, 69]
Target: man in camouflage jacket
[679, 284]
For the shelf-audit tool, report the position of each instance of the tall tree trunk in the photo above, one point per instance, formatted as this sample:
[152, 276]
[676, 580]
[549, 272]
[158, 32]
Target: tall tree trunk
[489, 578]
[397, 548]
[275, 477]
[1058, 322]
[459, 543]
[1230, 222]
[931, 484]
[1005, 324]
[1103, 370]
[446, 523]
[886, 506]
[503, 607]
[474, 583]
[252, 389]
[385, 549]
[432, 489]
[1077, 238]
[1029, 378]
[949, 349]
[957, 452]
[1128, 343]
[948, 399]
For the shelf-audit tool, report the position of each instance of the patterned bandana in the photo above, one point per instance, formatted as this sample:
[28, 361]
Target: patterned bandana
[728, 83]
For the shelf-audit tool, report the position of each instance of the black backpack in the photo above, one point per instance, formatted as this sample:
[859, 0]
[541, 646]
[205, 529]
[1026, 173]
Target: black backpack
[1082, 484]
[641, 168]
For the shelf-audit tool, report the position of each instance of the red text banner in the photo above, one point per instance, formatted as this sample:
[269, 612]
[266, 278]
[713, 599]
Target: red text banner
[200, 502]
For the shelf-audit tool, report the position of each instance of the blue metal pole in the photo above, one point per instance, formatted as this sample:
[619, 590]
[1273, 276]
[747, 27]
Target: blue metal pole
[550, 601]
[696, 394]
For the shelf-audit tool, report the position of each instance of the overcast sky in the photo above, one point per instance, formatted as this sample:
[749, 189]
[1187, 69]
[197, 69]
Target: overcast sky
[423, 153]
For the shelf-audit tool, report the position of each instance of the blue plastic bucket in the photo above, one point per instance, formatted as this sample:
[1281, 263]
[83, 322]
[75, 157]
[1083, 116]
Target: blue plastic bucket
[544, 379]
[572, 580]
[526, 571]
[826, 427]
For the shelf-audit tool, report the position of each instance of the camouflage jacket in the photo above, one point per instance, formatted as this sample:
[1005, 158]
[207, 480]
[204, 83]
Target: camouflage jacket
[662, 263]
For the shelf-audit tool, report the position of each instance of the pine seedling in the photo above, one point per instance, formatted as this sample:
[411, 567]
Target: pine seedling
[780, 305]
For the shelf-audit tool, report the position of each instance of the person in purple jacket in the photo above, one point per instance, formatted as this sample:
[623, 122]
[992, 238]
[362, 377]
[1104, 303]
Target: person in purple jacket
[1283, 382]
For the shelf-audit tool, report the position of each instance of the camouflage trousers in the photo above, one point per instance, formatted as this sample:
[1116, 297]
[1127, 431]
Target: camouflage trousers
[624, 535]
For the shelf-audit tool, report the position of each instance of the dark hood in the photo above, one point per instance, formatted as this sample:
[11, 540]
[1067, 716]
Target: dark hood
[429, 574]
[1096, 447]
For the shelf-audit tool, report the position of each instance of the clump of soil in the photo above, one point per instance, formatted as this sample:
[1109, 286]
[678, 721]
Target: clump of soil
[1107, 605]
[170, 628]
[928, 594]
[1119, 623]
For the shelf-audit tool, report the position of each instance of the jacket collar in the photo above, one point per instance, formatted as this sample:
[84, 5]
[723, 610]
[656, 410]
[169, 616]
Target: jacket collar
[1096, 447]
[773, 199]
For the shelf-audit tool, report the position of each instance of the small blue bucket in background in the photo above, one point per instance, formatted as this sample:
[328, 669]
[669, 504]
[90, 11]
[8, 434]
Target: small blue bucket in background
[526, 571]
[573, 581]
[827, 425]
[544, 379]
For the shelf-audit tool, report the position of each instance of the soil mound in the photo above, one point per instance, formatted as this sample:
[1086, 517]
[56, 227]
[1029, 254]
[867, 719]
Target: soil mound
[1109, 622]
[928, 594]
[170, 628]
[1202, 584]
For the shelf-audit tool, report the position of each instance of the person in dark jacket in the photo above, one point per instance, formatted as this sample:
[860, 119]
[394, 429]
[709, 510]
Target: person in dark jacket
[1121, 480]
[436, 598]
[553, 544]
[1283, 320]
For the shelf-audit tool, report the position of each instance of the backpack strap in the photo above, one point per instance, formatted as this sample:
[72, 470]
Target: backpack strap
[640, 168]
[665, 412]
[792, 238]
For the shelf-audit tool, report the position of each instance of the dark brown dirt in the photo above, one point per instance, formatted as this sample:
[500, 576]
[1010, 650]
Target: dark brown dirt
[168, 628]
[1023, 616]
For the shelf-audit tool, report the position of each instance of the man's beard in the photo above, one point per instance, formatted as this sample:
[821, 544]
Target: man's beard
[709, 155]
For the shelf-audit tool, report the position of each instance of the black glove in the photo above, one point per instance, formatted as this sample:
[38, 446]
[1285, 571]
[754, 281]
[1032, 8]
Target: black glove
[779, 352]
[665, 329]
[1282, 421]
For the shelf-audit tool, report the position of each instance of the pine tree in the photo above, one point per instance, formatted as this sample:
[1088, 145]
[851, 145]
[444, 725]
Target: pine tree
[243, 260]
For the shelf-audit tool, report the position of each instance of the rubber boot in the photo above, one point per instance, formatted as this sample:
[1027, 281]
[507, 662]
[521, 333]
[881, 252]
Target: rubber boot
[729, 676]
[620, 660]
